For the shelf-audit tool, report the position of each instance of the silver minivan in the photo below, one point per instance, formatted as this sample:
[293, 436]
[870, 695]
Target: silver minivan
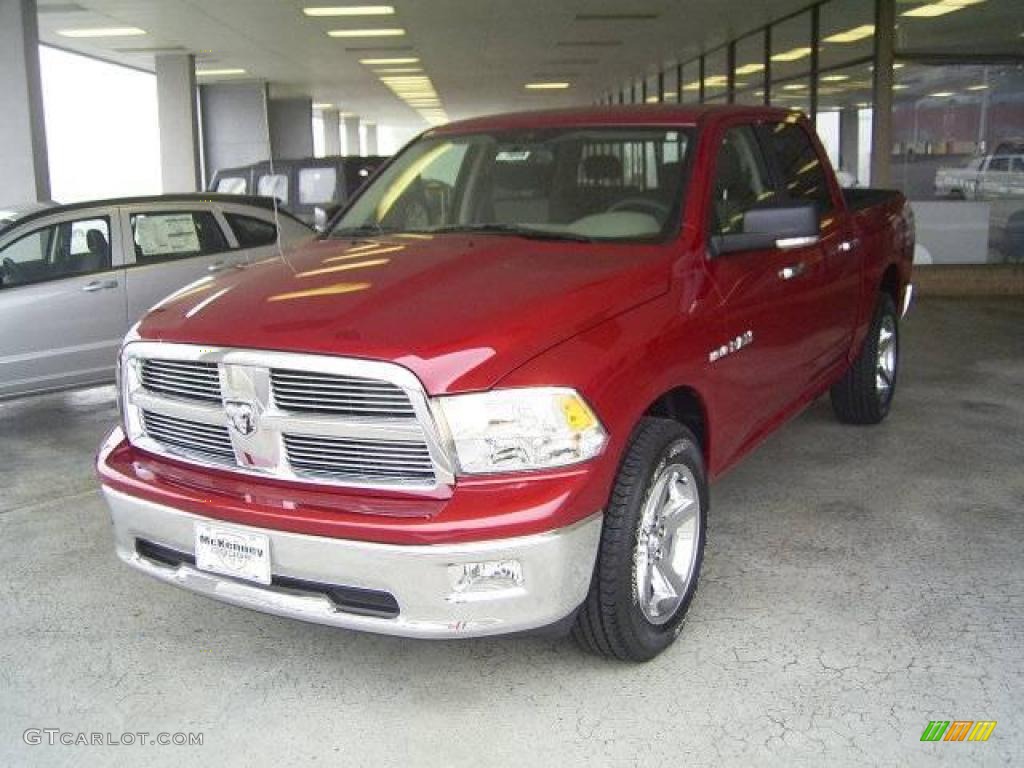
[75, 278]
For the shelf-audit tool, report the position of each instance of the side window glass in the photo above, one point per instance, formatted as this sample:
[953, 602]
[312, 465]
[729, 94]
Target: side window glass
[61, 250]
[999, 164]
[231, 185]
[273, 185]
[803, 176]
[163, 237]
[250, 232]
[317, 185]
[740, 181]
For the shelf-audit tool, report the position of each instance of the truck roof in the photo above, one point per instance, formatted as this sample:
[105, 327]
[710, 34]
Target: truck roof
[618, 115]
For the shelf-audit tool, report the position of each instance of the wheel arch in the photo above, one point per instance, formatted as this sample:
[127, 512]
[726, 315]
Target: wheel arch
[686, 406]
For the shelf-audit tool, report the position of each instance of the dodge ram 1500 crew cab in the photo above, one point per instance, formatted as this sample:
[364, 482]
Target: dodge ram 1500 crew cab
[490, 397]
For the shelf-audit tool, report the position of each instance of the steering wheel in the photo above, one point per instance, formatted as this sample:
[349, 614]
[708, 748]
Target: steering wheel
[656, 208]
[11, 270]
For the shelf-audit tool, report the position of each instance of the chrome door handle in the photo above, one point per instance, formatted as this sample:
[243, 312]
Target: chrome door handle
[793, 270]
[99, 285]
[217, 266]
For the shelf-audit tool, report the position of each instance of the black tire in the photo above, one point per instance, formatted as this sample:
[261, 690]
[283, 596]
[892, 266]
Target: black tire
[611, 622]
[859, 398]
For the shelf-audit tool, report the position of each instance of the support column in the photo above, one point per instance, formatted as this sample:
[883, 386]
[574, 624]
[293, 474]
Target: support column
[881, 124]
[235, 129]
[371, 138]
[24, 166]
[353, 146]
[179, 126]
[291, 128]
[332, 132]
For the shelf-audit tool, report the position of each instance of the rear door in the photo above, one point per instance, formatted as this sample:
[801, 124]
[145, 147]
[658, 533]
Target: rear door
[62, 302]
[174, 244]
[831, 268]
[768, 301]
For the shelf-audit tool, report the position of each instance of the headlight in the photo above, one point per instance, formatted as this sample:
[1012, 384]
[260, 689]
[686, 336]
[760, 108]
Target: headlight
[518, 429]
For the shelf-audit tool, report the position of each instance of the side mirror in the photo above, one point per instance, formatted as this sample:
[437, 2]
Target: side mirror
[794, 225]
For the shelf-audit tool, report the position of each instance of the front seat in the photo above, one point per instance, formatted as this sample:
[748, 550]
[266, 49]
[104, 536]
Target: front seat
[98, 256]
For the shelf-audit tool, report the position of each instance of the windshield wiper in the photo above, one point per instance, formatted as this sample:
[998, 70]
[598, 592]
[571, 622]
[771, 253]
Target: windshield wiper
[517, 231]
[361, 231]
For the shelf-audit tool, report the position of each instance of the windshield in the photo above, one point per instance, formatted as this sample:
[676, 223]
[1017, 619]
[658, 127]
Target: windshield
[580, 184]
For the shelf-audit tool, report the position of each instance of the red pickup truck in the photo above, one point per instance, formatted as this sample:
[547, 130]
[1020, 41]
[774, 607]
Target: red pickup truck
[489, 399]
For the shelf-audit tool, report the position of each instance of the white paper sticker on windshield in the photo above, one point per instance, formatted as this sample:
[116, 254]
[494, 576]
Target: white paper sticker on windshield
[510, 156]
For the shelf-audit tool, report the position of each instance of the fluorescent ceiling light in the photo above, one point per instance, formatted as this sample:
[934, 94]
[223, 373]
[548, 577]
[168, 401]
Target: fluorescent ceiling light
[102, 32]
[900, 87]
[322, 106]
[749, 69]
[397, 70]
[382, 32]
[651, 100]
[981, 87]
[546, 86]
[834, 78]
[350, 10]
[398, 60]
[219, 72]
[941, 94]
[941, 8]
[794, 87]
[852, 35]
[793, 54]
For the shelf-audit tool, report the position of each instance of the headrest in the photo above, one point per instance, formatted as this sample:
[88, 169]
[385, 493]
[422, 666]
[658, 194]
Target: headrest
[96, 241]
[602, 168]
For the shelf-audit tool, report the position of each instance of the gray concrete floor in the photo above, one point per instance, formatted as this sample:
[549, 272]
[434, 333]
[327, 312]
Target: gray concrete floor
[858, 583]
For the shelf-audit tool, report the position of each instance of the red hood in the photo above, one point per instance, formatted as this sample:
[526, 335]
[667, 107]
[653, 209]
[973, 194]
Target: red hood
[459, 311]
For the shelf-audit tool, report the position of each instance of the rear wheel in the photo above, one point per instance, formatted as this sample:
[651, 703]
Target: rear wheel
[864, 395]
[652, 546]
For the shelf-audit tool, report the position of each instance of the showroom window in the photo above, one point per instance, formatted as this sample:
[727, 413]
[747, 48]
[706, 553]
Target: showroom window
[165, 236]
[791, 49]
[749, 71]
[670, 85]
[690, 82]
[716, 76]
[957, 121]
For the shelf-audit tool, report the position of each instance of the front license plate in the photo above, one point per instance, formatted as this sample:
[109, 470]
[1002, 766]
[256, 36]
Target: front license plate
[233, 552]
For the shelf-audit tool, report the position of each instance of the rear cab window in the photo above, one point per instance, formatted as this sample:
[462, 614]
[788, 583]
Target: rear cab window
[232, 185]
[273, 185]
[318, 186]
[165, 236]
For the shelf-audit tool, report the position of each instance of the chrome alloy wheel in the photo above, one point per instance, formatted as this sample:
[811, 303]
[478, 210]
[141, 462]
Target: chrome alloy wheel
[667, 543]
[885, 367]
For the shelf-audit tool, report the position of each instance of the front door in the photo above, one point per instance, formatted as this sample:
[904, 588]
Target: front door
[767, 301]
[62, 304]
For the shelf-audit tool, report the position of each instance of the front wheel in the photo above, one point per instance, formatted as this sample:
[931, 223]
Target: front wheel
[652, 546]
[864, 394]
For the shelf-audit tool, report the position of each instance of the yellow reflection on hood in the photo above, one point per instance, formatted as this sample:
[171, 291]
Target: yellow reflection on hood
[343, 267]
[415, 235]
[327, 290]
[362, 254]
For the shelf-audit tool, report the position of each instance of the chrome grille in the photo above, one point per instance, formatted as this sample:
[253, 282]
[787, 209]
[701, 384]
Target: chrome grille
[362, 460]
[311, 392]
[288, 416]
[182, 378]
[190, 437]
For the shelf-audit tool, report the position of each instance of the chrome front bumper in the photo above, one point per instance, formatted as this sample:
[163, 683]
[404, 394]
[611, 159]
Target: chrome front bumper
[556, 573]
